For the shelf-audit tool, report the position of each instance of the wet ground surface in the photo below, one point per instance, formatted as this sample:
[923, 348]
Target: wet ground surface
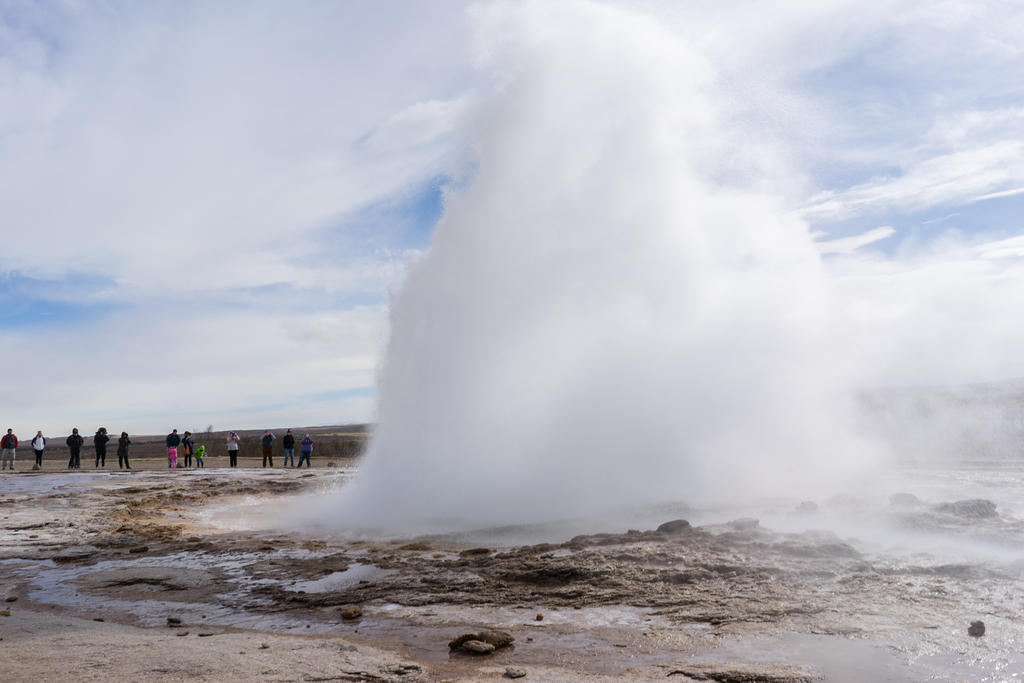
[723, 601]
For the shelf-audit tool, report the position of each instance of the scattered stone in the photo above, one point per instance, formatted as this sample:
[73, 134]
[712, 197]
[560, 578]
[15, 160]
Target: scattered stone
[904, 499]
[976, 629]
[676, 526]
[173, 621]
[13, 598]
[332, 464]
[348, 648]
[977, 508]
[477, 647]
[181, 633]
[204, 635]
[807, 506]
[5, 612]
[139, 549]
[264, 646]
[475, 552]
[351, 612]
[98, 619]
[539, 617]
[512, 672]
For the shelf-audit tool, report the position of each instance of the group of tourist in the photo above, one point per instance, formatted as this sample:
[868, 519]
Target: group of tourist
[188, 451]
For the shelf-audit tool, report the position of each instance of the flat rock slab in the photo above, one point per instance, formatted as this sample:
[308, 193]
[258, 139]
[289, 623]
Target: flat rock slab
[733, 672]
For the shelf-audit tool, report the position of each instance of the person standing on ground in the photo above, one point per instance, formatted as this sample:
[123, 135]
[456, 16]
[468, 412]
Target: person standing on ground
[38, 444]
[306, 452]
[172, 442]
[99, 442]
[122, 451]
[200, 455]
[233, 449]
[9, 445]
[75, 442]
[289, 448]
[187, 448]
[268, 447]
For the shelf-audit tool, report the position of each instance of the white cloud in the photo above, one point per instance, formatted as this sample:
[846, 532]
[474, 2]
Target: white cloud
[846, 245]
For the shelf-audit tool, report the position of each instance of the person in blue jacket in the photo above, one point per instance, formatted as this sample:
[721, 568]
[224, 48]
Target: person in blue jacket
[306, 450]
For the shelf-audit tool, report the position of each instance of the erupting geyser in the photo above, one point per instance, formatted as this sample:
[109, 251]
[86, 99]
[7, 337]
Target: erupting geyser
[609, 313]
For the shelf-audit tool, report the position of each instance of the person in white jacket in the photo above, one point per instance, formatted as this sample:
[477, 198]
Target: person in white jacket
[38, 444]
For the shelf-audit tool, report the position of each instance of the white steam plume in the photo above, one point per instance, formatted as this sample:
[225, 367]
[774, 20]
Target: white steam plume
[601, 320]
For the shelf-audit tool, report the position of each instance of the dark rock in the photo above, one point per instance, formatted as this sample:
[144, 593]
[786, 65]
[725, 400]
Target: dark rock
[181, 633]
[139, 549]
[676, 526]
[539, 617]
[477, 647]
[977, 508]
[475, 552]
[173, 621]
[11, 599]
[744, 524]
[351, 612]
[492, 639]
[403, 669]
[98, 619]
[904, 499]
[807, 506]
[976, 629]
[512, 672]
[498, 639]
[332, 464]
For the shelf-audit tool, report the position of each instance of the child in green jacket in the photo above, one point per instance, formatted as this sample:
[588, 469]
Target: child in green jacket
[199, 455]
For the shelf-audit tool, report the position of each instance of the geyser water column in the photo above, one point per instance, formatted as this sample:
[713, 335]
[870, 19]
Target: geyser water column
[602, 318]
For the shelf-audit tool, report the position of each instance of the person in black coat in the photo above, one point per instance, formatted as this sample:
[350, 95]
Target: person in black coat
[99, 441]
[122, 451]
[188, 447]
[172, 442]
[75, 442]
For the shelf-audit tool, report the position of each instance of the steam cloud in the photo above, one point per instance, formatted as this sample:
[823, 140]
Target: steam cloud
[609, 315]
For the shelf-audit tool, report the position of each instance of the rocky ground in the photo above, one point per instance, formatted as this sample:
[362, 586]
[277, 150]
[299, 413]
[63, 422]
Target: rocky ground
[128, 577]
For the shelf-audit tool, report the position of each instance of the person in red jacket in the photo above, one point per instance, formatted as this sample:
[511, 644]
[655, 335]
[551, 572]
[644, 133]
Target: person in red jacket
[8, 444]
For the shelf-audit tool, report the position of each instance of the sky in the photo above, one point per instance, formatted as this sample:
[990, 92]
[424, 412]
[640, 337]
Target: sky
[206, 208]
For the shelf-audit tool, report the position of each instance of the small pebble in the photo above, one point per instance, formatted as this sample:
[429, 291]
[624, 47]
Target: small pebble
[512, 672]
[181, 633]
[5, 612]
[539, 617]
[13, 598]
[98, 619]
[976, 629]
[264, 646]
